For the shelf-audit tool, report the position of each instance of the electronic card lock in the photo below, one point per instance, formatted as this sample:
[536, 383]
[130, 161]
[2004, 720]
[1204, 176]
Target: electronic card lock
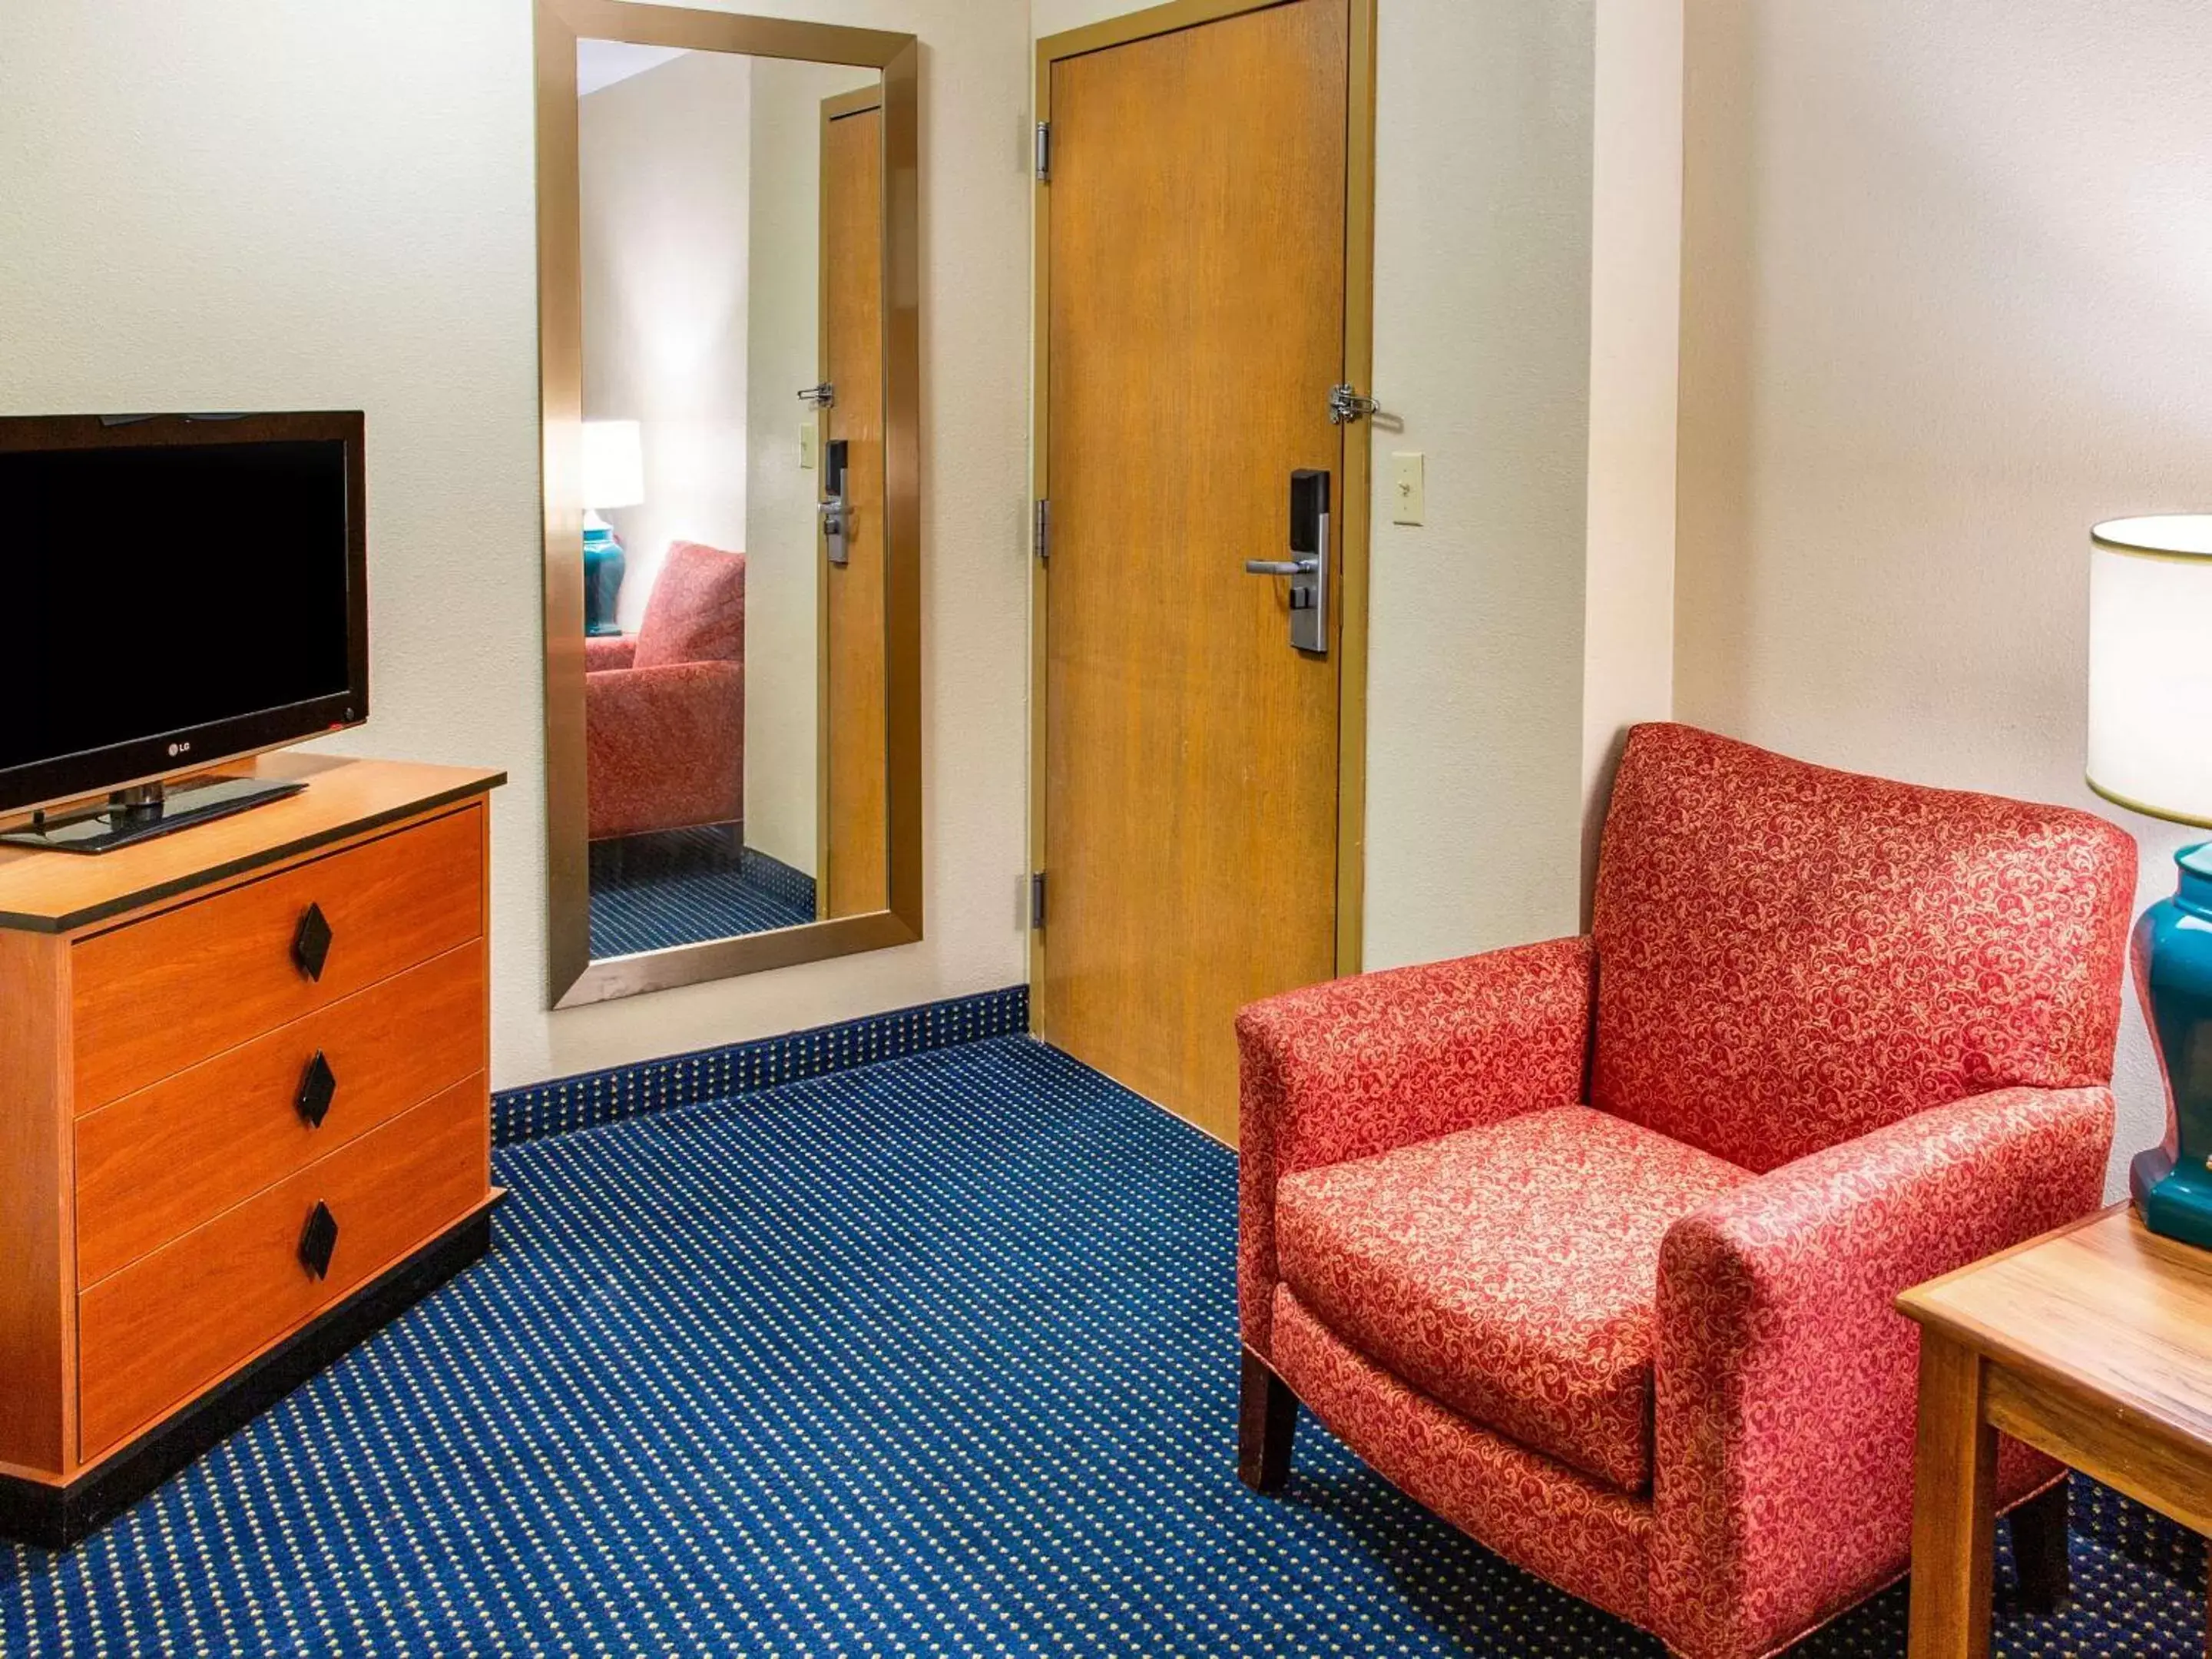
[1308, 565]
[836, 517]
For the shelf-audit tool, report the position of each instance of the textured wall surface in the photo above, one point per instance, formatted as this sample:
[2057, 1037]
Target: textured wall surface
[1482, 348]
[1636, 302]
[665, 165]
[1948, 303]
[249, 204]
[782, 577]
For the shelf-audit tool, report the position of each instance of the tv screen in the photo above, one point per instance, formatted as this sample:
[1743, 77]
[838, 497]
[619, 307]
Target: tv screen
[177, 591]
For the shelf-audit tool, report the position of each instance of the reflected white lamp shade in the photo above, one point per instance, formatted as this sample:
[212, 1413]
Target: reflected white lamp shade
[614, 463]
[2151, 666]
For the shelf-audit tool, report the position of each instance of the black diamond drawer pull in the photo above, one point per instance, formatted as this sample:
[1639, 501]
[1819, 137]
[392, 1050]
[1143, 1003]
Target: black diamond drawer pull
[318, 1086]
[311, 945]
[319, 1241]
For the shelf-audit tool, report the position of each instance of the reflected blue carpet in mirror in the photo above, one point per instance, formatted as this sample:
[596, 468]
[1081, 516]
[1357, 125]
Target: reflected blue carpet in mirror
[935, 1356]
[686, 887]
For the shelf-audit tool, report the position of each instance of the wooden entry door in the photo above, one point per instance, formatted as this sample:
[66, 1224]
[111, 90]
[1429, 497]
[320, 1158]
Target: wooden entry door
[854, 864]
[1195, 324]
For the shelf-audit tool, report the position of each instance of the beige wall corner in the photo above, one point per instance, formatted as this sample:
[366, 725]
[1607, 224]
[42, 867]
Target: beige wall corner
[1482, 363]
[1946, 306]
[782, 630]
[664, 176]
[1636, 289]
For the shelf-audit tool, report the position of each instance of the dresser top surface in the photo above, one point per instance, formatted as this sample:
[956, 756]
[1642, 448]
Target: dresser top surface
[49, 892]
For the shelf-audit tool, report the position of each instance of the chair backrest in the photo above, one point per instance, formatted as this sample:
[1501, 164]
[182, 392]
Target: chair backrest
[1789, 957]
[697, 610]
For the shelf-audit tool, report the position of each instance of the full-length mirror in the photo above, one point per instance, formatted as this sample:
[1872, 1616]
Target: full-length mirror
[726, 223]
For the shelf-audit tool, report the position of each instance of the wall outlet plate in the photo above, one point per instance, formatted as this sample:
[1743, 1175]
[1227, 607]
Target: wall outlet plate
[809, 434]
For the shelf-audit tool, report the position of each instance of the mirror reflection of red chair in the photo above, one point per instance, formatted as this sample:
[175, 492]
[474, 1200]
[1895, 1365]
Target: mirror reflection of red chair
[1591, 1246]
[664, 708]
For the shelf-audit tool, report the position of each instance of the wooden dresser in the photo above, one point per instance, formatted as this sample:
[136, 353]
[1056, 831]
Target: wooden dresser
[245, 1118]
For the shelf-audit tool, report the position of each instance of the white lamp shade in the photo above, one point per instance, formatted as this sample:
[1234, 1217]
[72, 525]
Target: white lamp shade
[614, 463]
[2151, 666]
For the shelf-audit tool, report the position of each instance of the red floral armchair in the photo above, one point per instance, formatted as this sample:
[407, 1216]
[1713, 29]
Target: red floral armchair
[665, 710]
[1589, 1246]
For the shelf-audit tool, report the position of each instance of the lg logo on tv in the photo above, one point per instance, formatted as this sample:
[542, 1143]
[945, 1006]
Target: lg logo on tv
[177, 748]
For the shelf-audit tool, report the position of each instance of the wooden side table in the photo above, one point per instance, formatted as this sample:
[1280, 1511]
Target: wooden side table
[2093, 1344]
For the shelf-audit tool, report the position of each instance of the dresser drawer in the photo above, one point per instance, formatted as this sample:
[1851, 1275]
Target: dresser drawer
[178, 1321]
[156, 996]
[158, 1162]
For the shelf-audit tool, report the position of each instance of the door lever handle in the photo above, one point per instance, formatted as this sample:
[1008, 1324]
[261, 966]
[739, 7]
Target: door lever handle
[1308, 565]
[836, 516]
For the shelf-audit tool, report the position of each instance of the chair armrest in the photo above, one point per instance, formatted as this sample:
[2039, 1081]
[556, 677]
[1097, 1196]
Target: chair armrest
[1361, 1065]
[665, 747]
[607, 652]
[1786, 1380]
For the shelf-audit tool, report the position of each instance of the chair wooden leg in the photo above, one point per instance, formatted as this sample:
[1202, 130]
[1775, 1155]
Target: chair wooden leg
[2039, 1550]
[1268, 1417]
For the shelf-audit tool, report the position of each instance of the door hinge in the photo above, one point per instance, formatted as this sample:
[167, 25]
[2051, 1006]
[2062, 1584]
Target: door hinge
[1043, 152]
[1036, 900]
[1043, 531]
[1345, 405]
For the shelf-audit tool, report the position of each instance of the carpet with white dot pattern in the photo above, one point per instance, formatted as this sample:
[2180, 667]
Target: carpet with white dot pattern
[935, 1357]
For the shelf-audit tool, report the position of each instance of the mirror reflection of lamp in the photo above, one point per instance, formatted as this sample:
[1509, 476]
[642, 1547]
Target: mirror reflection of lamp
[614, 477]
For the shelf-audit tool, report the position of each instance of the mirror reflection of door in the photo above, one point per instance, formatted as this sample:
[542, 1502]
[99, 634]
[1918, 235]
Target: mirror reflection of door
[724, 666]
[853, 831]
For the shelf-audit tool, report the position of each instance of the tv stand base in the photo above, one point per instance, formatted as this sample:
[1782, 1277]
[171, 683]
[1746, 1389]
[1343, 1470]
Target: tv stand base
[140, 814]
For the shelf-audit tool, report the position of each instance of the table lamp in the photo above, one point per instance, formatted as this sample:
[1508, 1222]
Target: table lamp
[614, 475]
[2150, 750]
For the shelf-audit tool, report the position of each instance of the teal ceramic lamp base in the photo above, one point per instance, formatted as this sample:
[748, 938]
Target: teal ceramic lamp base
[2172, 1183]
[2175, 1202]
[602, 579]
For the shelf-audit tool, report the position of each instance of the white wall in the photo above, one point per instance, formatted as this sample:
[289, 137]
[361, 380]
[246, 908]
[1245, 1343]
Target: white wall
[1636, 296]
[242, 203]
[782, 624]
[1482, 346]
[1948, 303]
[665, 165]
[1482, 362]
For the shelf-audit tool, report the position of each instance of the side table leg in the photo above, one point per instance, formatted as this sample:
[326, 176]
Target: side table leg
[1953, 1506]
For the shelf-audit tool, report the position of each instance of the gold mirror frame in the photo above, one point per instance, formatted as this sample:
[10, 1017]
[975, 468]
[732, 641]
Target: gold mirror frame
[576, 978]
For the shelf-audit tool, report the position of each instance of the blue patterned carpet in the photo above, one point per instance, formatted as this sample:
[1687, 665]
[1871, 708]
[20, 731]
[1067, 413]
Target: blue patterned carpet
[934, 1357]
[650, 892]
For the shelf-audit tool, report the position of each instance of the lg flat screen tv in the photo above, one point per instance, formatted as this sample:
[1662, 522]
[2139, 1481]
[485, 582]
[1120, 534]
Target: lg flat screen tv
[176, 591]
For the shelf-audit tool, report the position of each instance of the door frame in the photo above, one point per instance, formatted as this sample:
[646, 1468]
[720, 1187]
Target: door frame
[1355, 525]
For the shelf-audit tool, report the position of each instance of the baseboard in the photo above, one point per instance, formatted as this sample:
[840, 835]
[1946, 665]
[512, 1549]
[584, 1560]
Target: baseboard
[55, 1517]
[654, 1085]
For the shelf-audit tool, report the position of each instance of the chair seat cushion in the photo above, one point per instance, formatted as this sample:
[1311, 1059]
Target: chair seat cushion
[1509, 1271]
